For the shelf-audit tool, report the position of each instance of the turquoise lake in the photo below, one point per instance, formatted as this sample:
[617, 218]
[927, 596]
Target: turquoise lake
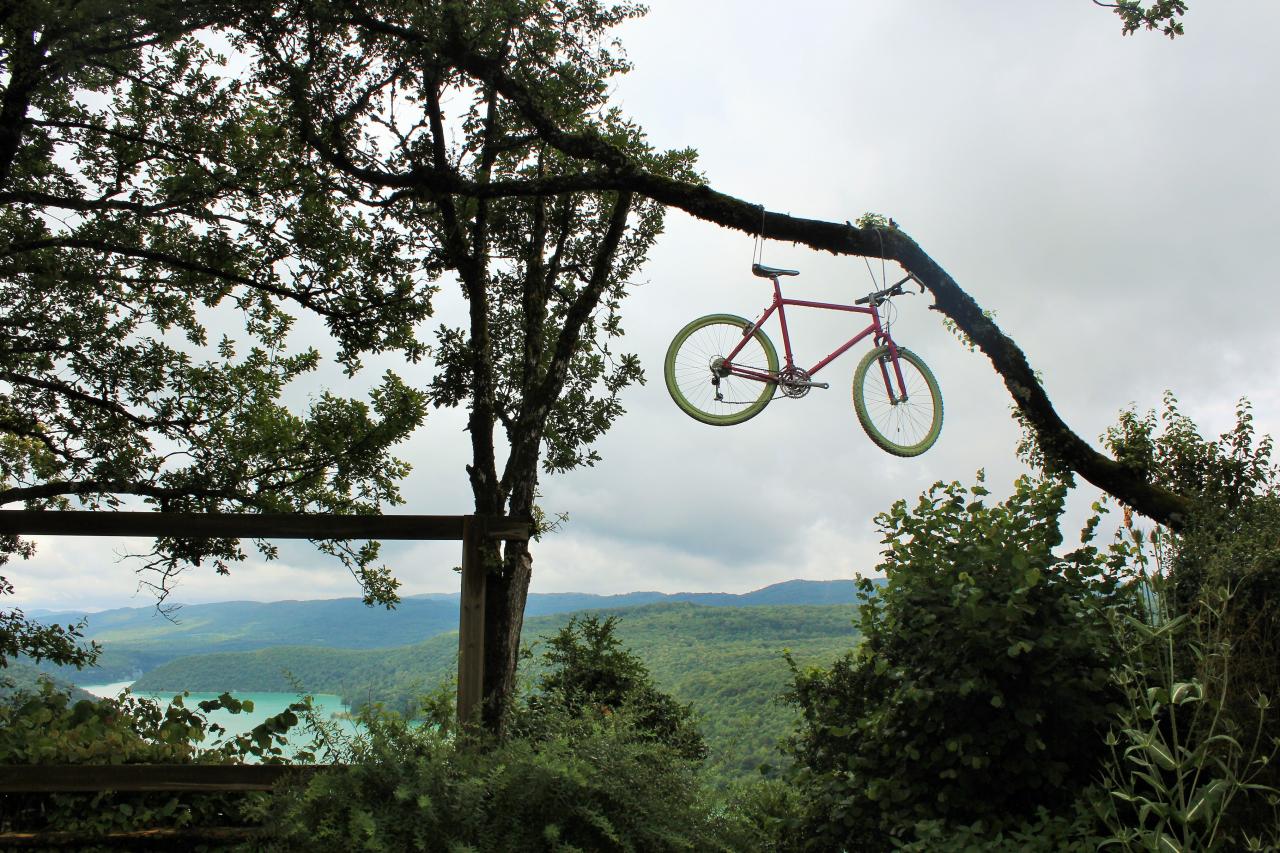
[328, 705]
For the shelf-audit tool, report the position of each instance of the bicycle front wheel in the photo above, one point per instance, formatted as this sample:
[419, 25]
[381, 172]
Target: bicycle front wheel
[700, 384]
[903, 426]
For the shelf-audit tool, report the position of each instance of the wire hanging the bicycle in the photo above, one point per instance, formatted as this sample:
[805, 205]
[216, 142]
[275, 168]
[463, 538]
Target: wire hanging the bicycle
[722, 369]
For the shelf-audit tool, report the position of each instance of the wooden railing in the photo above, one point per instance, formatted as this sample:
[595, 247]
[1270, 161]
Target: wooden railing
[212, 778]
[473, 530]
[137, 778]
[204, 778]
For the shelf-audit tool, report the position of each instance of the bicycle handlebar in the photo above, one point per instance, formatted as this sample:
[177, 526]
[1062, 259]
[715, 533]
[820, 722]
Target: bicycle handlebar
[893, 290]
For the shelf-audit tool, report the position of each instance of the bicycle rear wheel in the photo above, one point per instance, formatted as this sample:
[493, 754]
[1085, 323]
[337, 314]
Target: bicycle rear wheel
[699, 385]
[902, 426]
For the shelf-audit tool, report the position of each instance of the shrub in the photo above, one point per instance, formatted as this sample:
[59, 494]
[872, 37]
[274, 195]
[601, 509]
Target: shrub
[598, 759]
[592, 785]
[762, 816]
[589, 673]
[46, 727]
[982, 689]
[1184, 773]
[1221, 571]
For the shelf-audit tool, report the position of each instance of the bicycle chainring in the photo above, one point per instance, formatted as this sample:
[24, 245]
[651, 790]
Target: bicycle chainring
[794, 382]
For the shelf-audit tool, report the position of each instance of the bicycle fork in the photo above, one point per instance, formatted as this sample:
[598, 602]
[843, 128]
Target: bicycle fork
[890, 385]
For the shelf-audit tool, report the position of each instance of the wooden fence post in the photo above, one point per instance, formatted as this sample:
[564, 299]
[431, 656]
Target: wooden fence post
[471, 623]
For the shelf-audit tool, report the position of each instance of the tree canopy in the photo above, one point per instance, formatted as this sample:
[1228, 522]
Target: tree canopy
[147, 197]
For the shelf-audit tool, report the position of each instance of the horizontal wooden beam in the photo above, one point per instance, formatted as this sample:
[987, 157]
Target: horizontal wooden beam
[51, 778]
[251, 525]
[146, 839]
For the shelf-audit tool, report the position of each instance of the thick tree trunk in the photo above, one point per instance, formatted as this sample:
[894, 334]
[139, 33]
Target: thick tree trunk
[504, 620]
[24, 70]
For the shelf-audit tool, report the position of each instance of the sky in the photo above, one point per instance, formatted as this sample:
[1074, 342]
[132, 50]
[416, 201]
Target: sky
[1113, 200]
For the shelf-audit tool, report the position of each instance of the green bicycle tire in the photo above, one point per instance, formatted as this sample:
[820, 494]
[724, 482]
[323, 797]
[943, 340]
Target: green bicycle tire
[687, 370]
[915, 427]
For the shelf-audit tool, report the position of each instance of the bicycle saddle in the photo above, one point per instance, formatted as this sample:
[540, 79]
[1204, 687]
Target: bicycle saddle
[770, 272]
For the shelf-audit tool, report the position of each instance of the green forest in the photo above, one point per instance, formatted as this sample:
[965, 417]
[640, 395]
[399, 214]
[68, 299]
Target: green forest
[137, 640]
[727, 662]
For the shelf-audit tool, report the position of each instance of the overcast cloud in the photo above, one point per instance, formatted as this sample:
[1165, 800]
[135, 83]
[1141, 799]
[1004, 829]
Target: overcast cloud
[1113, 200]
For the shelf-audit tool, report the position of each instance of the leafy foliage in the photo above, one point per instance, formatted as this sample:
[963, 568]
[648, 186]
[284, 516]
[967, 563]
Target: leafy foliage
[1076, 831]
[599, 759]
[982, 688]
[1162, 15]
[148, 197]
[1217, 588]
[48, 728]
[588, 672]
[58, 644]
[1179, 764]
[588, 785]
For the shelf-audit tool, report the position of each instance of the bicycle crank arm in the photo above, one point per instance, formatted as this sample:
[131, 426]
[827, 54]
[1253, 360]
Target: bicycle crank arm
[806, 384]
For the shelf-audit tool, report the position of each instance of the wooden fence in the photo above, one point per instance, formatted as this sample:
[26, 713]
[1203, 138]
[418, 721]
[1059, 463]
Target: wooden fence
[472, 530]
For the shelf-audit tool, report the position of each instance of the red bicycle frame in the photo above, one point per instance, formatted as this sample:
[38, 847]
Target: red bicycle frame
[779, 305]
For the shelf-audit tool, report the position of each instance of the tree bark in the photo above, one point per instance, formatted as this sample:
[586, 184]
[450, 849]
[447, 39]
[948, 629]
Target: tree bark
[24, 71]
[508, 589]
[504, 621]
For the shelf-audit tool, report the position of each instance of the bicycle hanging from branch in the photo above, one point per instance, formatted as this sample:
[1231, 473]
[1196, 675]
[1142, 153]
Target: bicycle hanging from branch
[722, 370]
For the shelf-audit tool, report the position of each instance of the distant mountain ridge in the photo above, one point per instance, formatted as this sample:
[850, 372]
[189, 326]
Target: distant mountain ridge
[137, 639]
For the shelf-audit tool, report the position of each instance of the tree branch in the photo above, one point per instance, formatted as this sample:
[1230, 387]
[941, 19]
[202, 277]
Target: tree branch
[72, 393]
[1057, 440]
[60, 488]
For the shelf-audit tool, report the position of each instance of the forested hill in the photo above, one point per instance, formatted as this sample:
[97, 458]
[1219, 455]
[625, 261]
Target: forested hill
[727, 661]
[138, 639]
[24, 678]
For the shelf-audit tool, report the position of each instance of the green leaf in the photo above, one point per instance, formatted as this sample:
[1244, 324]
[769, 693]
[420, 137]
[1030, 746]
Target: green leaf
[1204, 800]
[1160, 753]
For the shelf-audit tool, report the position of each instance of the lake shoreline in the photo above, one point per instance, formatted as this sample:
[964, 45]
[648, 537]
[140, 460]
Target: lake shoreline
[328, 706]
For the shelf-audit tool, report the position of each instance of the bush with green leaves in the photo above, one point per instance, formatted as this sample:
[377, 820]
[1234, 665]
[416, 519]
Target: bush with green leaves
[982, 688]
[46, 727]
[584, 784]
[1230, 541]
[761, 816]
[1221, 572]
[588, 672]
[1187, 770]
[597, 759]
[1073, 830]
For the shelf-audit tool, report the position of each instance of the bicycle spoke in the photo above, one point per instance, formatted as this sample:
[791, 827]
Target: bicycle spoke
[700, 382]
[905, 427]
